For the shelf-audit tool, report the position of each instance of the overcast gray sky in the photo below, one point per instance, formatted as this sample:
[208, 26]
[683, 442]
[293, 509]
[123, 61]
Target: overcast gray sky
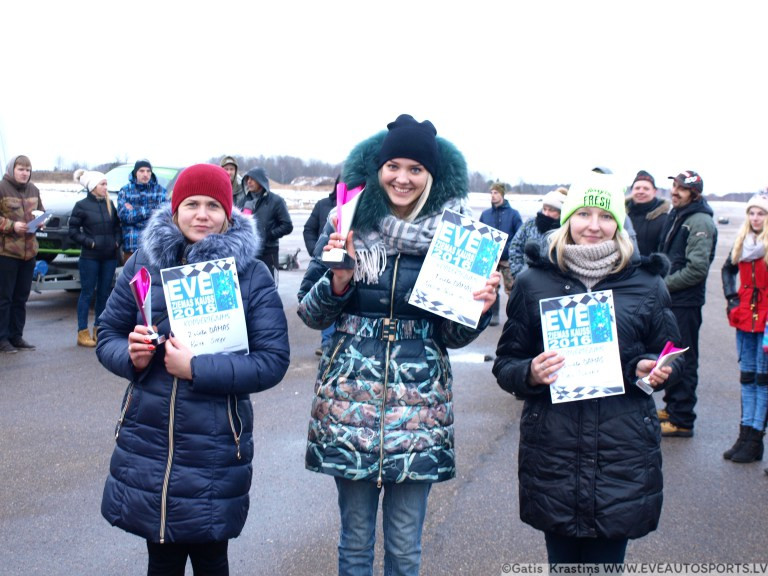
[536, 91]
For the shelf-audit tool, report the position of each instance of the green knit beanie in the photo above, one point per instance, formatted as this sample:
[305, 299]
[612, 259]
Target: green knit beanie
[598, 191]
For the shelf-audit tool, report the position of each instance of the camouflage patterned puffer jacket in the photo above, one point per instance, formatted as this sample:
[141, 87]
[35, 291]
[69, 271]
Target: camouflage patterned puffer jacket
[383, 405]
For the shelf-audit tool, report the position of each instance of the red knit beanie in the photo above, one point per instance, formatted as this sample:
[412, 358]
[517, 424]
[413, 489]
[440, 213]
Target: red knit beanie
[203, 180]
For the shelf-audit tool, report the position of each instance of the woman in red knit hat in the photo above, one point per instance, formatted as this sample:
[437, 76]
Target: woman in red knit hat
[181, 469]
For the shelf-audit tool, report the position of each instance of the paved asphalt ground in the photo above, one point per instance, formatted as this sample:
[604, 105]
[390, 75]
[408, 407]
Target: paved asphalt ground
[58, 409]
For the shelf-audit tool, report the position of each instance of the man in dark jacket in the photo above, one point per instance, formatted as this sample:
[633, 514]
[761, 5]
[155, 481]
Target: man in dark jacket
[312, 229]
[272, 218]
[505, 218]
[689, 239]
[647, 212]
[317, 219]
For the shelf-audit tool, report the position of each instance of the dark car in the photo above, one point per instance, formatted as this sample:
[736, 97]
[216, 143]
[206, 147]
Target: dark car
[54, 238]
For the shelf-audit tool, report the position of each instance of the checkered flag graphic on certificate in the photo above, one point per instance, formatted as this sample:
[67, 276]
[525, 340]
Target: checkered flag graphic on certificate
[565, 302]
[419, 298]
[567, 393]
[210, 267]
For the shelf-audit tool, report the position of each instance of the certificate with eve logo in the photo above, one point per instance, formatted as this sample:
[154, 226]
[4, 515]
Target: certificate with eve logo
[460, 259]
[205, 307]
[582, 329]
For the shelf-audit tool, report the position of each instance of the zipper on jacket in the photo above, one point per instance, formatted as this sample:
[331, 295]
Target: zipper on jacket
[386, 373]
[120, 420]
[753, 304]
[232, 423]
[169, 462]
[333, 357]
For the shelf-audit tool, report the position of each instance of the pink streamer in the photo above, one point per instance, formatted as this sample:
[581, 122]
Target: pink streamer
[140, 286]
[342, 197]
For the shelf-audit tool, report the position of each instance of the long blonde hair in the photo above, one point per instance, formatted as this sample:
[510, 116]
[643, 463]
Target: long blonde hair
[107, 198]
[745, 229]
[560, 237]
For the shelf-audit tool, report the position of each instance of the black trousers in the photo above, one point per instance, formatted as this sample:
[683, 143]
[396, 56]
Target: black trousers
[15, 285]
[681, 398]
[572, 550]
[271, 259]
[208, 558]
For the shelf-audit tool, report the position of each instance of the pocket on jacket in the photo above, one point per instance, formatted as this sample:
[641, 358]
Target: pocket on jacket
[530, 425]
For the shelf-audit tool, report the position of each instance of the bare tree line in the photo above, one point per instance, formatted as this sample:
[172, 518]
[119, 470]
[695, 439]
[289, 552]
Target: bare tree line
[286, 169]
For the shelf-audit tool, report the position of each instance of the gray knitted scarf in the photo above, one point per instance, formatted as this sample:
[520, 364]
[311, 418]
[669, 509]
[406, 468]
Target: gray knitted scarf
[395, 236]
[590, 263]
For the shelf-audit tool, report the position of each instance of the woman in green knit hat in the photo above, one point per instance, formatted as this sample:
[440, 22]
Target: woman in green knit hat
[589, 469]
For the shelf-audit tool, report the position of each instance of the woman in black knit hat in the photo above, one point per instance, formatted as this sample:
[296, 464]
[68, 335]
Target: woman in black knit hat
[382, 415]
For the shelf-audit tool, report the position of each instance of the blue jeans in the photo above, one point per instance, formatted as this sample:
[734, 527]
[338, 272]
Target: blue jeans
[325, 335]
[754, 395]
[404, 507]
[95, 276]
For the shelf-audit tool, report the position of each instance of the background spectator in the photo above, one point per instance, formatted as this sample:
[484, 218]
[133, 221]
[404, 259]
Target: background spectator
[95, 227]
[136, 202]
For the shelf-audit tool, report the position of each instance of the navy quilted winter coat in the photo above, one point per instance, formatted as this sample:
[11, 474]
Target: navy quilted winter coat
[181, 468]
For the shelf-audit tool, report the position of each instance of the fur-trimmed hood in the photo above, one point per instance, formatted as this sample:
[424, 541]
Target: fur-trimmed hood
[163, 244]
[537, 255]
[361, 167]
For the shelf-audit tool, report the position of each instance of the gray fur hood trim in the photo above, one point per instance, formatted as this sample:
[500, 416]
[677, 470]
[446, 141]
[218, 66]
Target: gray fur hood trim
[162, 243]
[361, 167]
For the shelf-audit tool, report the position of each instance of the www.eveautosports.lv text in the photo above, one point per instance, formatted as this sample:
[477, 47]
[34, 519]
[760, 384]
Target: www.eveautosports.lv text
[677, 568]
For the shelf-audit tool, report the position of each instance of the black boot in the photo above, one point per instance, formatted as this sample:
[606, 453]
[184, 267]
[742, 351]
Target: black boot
[728, 454]
[750, 448]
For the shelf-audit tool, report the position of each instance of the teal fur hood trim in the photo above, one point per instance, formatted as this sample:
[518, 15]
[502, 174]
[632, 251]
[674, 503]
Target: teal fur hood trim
[361, 167]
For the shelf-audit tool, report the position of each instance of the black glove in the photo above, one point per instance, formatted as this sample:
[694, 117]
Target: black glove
[733, 302]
